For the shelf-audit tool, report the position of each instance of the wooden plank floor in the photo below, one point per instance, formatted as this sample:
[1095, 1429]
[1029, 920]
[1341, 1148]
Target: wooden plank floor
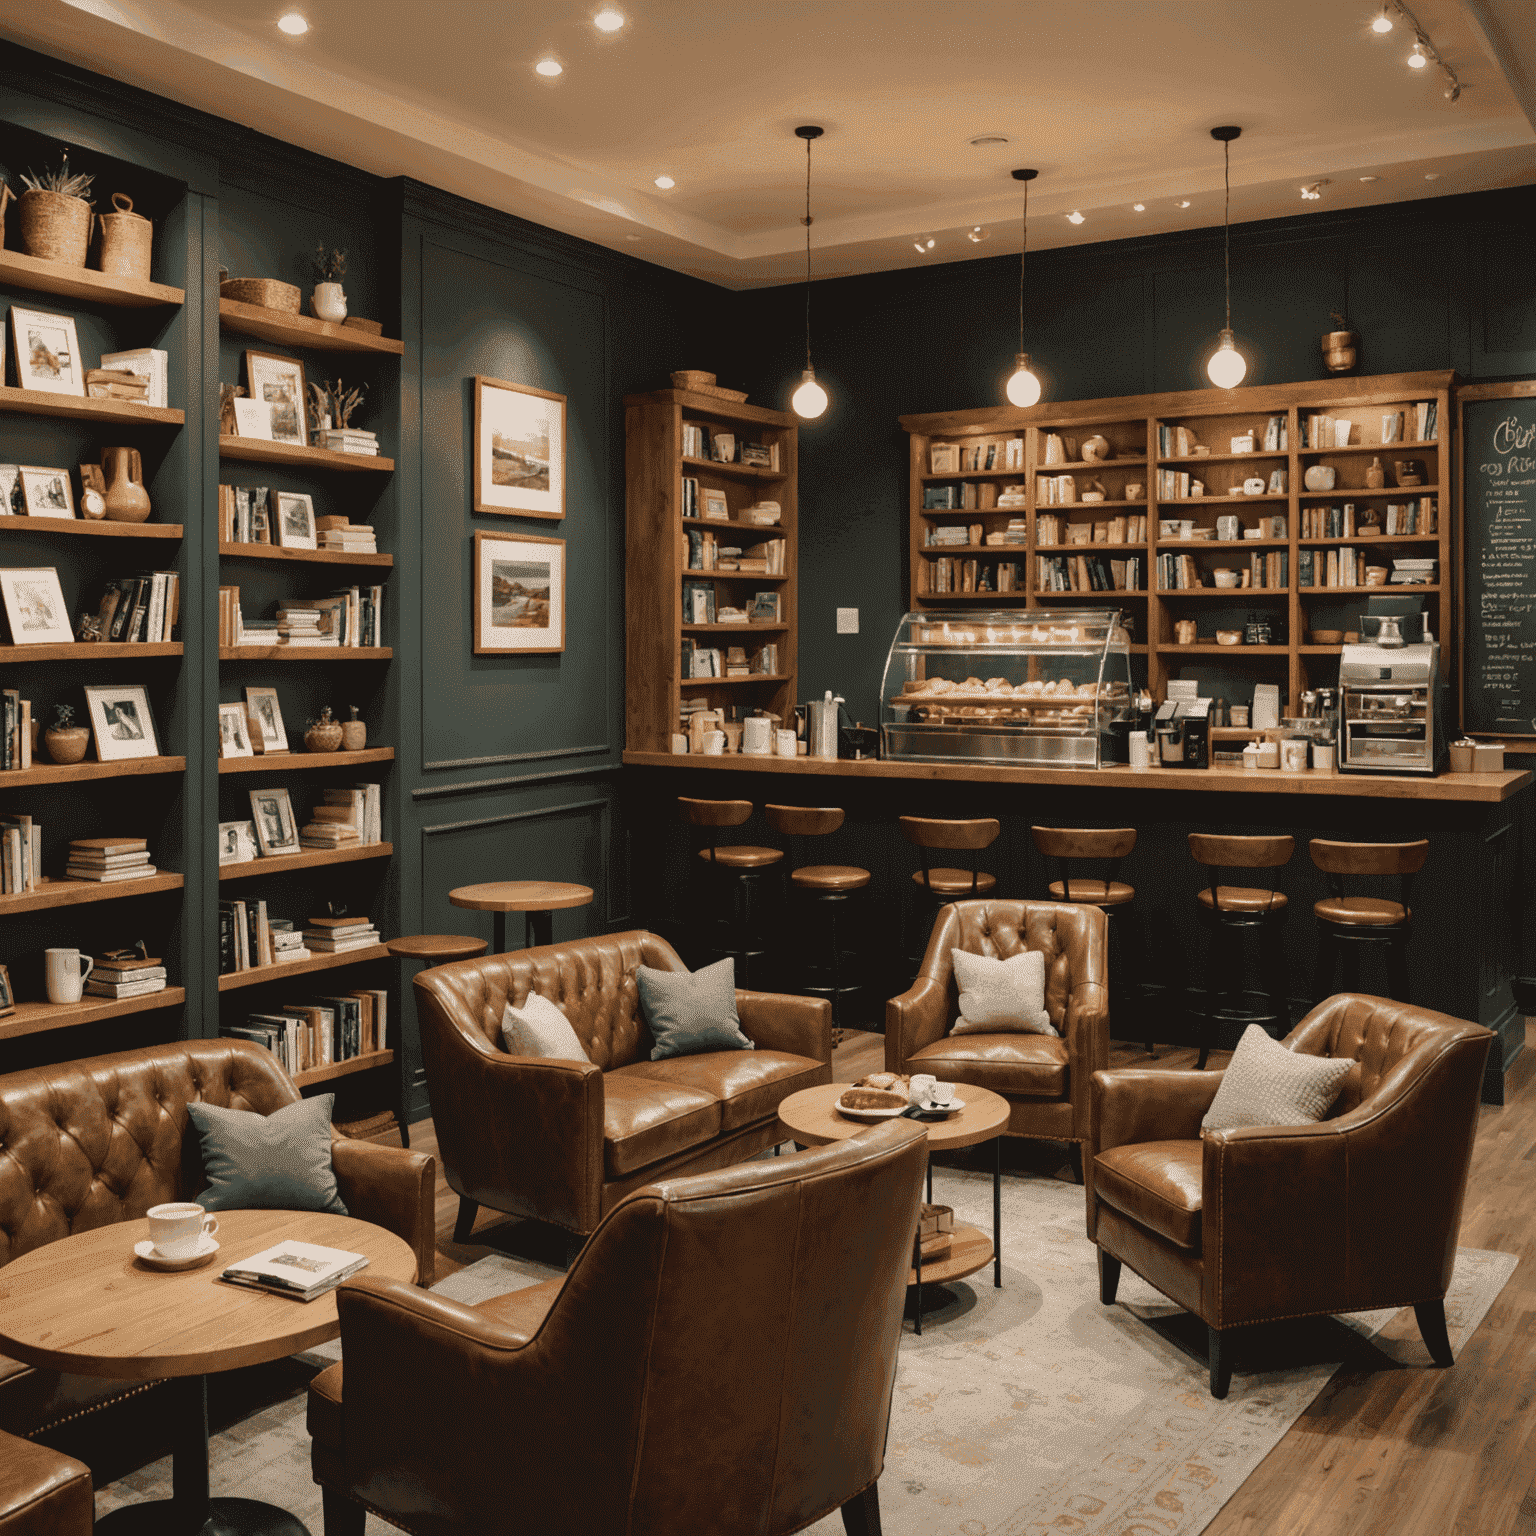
[1386, 1450]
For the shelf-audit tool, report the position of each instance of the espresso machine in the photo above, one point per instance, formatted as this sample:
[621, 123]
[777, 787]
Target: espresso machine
[1182, 734]
[1391, 716]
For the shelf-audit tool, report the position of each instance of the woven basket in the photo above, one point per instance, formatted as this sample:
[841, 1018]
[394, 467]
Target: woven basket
[125, 240]
[54, 227]
[264, 292]
[696, 382]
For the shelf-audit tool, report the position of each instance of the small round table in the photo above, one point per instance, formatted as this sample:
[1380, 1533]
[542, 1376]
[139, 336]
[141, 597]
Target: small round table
[86, 1304]
[810, 1117]
[538, 898]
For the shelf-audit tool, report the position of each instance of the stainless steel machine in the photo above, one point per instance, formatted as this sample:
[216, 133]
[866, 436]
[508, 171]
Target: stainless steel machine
[1391, 716]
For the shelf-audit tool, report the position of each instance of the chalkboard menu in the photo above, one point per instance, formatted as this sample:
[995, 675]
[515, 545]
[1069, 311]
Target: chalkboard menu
[1498, 455]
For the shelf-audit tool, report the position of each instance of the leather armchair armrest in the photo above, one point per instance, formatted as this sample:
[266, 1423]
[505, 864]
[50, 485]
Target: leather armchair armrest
[913, 1020]
[1086, 1027]
[394, 1188]
[1134, 1104]
[42, 1493]
[775, 1021]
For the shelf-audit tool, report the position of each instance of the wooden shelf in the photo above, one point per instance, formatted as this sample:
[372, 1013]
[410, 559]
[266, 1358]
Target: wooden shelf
[38, 1018]
[99, 530]
[1167, 546]
[1061, 508]
[75, 893]
[1399, 589]
[1223, 458]
[312, 556]
[1220, 501]
[768, 530]
[735, 471]
[1210, 648]
[253, 976]
[39, 402]
[730, 576]
[1006, 551]
[80, 650]
[1320, 650]
[1233, 594]
[303, 652]
[733, 682]
[1364, 493]
[257, 450]
[311, 858]
[1381, 450]
[1077, 549]
[1018, 595]
[67, 773]
[1376, 538]
[1091, 598]
[343, 1068]
[300, 762]
[301, 330]
[83, 284]
[730, 629]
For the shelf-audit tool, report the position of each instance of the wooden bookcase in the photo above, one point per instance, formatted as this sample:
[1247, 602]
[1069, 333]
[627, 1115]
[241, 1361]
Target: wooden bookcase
[657, 561]
[1142, 433]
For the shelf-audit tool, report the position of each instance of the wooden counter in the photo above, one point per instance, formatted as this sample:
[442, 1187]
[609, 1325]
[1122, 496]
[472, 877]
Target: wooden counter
[1484, 788]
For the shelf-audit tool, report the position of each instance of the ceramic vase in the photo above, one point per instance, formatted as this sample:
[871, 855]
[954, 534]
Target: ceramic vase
[324, 735]
[1375, 476]
[354, 733]
[127, 500]
[67, 744]
[329, 302]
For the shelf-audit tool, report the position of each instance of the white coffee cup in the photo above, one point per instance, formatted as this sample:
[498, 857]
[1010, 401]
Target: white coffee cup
[1141, 750]
[921, 1089]
[177, 1230]
[1293, 756]
[714, 743]
[784, 743]
[757, 735]
[1322, 757]
[65, 971]
[942, 1094]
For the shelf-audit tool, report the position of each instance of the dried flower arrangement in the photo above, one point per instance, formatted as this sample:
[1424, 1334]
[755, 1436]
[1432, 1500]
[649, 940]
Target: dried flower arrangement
[330, 265]
[334, 403]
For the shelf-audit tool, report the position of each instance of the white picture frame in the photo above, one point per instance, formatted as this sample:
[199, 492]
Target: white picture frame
[234, 732]
[293, 520]
[47, 352]
[237, 842]
[12, 496]
[277, 832]
[253, 418]
[279, 381]
[46, 492]
[121, 721]
[519, 596]
[265, 714]
[519, 450]
[35, 606]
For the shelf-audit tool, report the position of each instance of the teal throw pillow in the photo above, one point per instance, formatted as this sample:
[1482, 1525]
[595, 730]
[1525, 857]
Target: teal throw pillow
[689, 1013]
[280, 1161]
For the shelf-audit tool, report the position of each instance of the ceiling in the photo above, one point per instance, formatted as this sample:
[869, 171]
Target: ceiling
[1111, 100]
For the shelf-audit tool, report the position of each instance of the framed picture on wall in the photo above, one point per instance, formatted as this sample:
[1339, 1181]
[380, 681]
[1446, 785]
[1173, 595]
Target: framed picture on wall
[47, 352]
[280, 382]
[519, 449]
[519, 594]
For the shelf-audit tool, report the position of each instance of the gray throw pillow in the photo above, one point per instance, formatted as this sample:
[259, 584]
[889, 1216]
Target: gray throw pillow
[1265, 1084]
[1001, 996]
[539, 1028]
[280, 1161]
[689, 1013]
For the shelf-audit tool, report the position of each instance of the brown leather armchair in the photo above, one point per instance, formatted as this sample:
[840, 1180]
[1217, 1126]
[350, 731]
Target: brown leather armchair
[1044, 1077]
[1356, 1212]
[563, 1141]
[594, 1403]
[42, 1492]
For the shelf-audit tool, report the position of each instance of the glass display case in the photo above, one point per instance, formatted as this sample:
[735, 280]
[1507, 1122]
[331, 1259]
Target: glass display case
[1040, 688]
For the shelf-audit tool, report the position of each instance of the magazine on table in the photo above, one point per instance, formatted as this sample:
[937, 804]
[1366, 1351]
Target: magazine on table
[301, 1270]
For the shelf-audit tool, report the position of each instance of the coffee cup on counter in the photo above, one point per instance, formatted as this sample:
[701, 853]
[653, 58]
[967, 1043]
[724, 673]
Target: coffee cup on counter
[1293, 755]
[785, 743]
[757, 735]
[714, 743]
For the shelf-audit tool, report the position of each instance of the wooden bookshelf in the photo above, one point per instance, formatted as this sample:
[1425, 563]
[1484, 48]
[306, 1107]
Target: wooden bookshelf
[84, 284]
[79, 650]
[74, 773]
[733, 682]
[41, 402]
[257, 450]
[301, 330]
[300, 762]
[253, 976]
[730, 471]
[302, 652]
[83, 527]
[343, 1068]
[301, 556]
[310, 858]
[76, 893]
[39, 1018]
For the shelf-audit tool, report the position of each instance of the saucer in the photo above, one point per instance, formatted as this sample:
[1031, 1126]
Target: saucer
[146, 1252]
[945, 1109]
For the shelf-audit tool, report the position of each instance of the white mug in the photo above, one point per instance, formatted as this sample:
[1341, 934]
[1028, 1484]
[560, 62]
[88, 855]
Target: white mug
[784, 743]
[757, 735]
[66, 970]
[177, 1230]
[1228, 528]
[942, 1094]
[714, 743]
[1141, 752]
[1293, 756]
[1322, 757]
[920, 1091]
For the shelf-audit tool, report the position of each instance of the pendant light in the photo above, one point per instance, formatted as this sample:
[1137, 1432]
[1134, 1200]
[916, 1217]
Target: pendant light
[809, 399]
[1023, 387]
[1226, 365]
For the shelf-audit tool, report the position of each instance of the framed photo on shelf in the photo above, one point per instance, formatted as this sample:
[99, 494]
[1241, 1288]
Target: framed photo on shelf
[295, 520]
[234, 732]
[519, 449]
[7, 996]
[121, 721]
[47, 352]
[47, 492]
[519, 594]
[237, 842]
[13, 502]
[268, 734]
[715, 505]
[253, 418]
[944, 459]
[279, 382]
[35, 607]
[276, 830]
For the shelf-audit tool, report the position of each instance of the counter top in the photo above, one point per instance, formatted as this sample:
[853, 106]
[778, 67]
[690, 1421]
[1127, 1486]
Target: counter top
[1487, 788]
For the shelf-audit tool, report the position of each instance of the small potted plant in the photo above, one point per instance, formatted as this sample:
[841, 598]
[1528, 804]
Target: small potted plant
[65, 741]
[1339, 346]
[54, 214]
[329, 302]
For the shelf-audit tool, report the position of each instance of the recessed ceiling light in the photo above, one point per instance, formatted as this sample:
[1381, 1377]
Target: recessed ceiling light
[977, 235]
[549, 68]
[1418, 58]
[293, 24]
[1313, 191]
[1138, 207]
[1074, 217]
[1370, 178]
[1433, 176]
[608, 19]
[1182, 202]
[988, 140]
[631, 237]
[1383, 22]
[923, 244]
[666, 183]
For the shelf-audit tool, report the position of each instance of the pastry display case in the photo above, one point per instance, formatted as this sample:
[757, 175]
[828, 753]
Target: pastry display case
[1037, 688]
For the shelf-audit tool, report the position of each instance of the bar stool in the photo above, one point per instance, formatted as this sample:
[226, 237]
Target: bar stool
[1345, 922]
[1233, 912]
[937, 886]
[1105, 846]
[740, 866]
[824, 891]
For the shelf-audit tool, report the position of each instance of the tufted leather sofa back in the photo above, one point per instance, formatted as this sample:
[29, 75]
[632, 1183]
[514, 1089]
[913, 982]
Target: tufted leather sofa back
[87, 1143]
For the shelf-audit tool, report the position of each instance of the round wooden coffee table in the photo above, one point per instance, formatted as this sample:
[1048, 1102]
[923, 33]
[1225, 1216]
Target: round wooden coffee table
[86, 1304]
[811, 1118]
[538, 898]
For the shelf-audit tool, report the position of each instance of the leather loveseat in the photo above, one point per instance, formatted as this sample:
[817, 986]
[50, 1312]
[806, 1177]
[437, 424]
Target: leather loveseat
[87, 1143]
[563, 1141]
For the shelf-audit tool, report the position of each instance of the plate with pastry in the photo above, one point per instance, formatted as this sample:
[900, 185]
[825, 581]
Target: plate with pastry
[871, 1104]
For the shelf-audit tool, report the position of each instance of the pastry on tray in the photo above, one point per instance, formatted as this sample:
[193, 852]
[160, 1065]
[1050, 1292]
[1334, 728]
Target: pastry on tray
[892, 1082]
[871, 1098]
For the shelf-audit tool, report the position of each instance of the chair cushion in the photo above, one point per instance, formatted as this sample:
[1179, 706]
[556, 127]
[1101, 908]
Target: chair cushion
[691, 1011]
[742, 856]
[1266, 1084]
[956, 882]
[1096, 893]
[322, 1417]
[645, 1121]
[1001, 995]
[1243, 898]
[750, 1088]
[830, 877]
[280, 1161]
[540, 1029]
[1022, 1066]
[1361, 911]
[1155, 1183]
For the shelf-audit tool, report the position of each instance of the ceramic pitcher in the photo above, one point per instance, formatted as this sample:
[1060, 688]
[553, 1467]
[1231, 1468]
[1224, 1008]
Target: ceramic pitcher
[127, 500]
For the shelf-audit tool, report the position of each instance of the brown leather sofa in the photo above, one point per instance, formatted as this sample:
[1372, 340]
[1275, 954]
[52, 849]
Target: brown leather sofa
[563, 1141]
[42, 1492]
[720, 1358]
[87, 1143]
[1356, 1212]
[1043, 1077]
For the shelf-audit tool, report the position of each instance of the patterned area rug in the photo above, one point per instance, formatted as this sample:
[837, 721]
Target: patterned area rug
[1019, 1412]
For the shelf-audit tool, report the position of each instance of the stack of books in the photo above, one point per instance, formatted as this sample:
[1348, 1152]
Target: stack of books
[300, 1270]
[21, 854]
[1414, 573]
[342, 533]
[300, 625]
[125, 978]
[330, 826]
[347, 440]
[16, 715]
[765, 514]
[150, 365]
[287, 942]
[109, 858]
[135, 610]
[248, 937]
[116, 384]
[337, 935]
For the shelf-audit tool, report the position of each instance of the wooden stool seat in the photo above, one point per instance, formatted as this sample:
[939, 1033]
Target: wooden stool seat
[955, 882]
[1094, 893]
[1361, 911]
[436, 948]
[1242, 898]
[1346, 925]
[741, 856]
[830, 877]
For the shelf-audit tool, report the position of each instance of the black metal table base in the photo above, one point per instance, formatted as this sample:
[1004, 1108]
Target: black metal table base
[997, 1235]
[538, 929]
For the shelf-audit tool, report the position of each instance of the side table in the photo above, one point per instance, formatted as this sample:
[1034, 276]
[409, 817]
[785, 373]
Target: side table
[536, 898]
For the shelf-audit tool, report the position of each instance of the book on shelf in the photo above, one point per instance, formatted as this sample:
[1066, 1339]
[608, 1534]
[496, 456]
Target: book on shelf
[150, 365]
[144, 985]
[346, 440]
[109, 858]
[300, 1270]
[16, 751]
[140, 609]
[245, 514]
[21, 854]
[116, 384]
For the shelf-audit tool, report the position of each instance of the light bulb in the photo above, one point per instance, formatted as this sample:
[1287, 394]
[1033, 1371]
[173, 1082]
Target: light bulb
[549, 68]
[1138, 207]
[293, 24]
[1383, 22]
[1074, 217]
[666, 183]
[1182, 202]
[608, 19]
[1226, 365]
[810, 399]
[1023, 387]
[1418, 58]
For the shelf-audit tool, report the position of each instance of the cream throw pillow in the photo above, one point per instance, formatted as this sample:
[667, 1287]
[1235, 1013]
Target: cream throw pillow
[1001, 996]
[1265, 1084]
[539, 1028]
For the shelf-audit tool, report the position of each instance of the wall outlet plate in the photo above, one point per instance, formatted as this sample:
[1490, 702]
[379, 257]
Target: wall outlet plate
[847, 621]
